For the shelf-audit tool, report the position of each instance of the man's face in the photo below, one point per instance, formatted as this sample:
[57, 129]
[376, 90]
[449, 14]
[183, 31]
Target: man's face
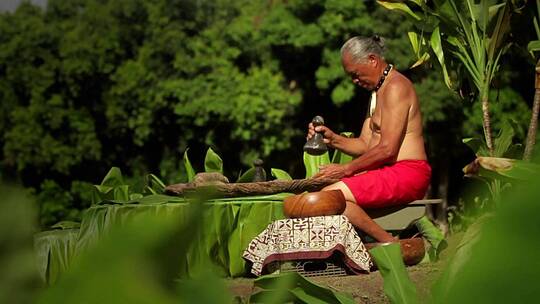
[362, 73]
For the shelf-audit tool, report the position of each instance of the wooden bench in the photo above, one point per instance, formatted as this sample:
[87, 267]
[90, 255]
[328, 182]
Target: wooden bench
[400, 217]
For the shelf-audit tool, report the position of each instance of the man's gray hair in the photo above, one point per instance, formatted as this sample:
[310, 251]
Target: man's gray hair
[360, 47]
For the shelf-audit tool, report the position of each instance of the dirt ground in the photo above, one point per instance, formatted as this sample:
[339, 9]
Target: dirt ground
[369, 288]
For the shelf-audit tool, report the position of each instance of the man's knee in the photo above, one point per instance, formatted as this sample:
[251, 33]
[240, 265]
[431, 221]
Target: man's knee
[344, 189]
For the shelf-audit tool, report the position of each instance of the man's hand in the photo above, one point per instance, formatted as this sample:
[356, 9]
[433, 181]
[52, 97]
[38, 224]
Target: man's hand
[328, 135]
[336, 171]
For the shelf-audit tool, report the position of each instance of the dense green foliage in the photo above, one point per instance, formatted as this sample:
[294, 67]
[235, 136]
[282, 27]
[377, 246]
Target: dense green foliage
[90, 84]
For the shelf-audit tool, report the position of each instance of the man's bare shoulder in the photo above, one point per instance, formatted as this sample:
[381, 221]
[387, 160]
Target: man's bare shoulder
[400, 90]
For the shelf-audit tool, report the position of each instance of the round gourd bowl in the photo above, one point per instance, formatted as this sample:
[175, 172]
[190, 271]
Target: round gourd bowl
[314, 204]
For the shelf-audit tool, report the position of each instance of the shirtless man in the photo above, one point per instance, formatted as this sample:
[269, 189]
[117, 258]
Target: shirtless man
[390, 166]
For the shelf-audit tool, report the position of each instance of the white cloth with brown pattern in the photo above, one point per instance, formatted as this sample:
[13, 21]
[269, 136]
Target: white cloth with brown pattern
[308, 238]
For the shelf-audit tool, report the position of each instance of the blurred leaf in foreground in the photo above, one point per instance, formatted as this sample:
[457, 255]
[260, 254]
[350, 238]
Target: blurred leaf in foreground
[139, 262]
[19, 280]
[501, 265]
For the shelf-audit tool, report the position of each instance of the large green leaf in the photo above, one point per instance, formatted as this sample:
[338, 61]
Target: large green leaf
[400, 7]
[55, 251]
[533, 46]
[424, 58]
[477, 145]
[212, 162]
[121, 193]
[398, 287]
[189, 168]
[250, 220]
[66, 225]
[497, 262]
[113, 178]
[415, 42]
[503, 142]
[313, 162]
[280, 174]
[502, 27]
[300, 289]
[436, 45]
[433, 235]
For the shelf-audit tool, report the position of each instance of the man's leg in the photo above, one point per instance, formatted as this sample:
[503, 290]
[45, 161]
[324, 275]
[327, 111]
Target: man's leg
[358, 217]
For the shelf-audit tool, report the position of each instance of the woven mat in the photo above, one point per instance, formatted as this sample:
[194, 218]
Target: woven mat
[308, 238]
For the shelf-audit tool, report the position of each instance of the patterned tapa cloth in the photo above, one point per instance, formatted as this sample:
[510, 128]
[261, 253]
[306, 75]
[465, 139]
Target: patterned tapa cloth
[308, 238]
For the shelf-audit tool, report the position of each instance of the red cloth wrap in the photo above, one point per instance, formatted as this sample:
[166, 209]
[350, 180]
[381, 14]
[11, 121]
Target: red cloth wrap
[396, 184]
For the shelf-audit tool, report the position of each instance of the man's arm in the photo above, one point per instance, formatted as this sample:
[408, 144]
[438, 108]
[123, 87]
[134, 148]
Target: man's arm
[394, 117]
[353, 146]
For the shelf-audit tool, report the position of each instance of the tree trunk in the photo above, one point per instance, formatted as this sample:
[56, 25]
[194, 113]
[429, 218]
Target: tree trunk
[487, 123]
[531, 134]
[441, 213]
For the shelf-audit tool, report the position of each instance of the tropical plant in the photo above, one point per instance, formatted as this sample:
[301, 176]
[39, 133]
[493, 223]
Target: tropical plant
[113, 189]
[398, 287]
[464, 35]
[214, 163]
[499, 172]
[292, 287]
[534, 46]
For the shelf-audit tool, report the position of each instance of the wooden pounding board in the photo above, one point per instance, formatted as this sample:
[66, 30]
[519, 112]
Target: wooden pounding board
[398, 218]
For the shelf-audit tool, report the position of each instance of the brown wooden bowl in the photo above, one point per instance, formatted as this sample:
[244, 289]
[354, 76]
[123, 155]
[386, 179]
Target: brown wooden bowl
[314, 204]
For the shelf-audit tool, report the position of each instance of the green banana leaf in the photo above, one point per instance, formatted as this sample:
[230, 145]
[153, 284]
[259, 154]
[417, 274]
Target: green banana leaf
[55, 251]
[251, 219]
[212, 162]
[135, 196]
[313, 162]
[229, 225]
[117, 194]
[280, 174]
[300, 290]
[398, 287]
[132, 264]
[256, 198]
[113, 178]
[112, 188]
[476, 145]
[154, 184]
[189, 168]
[433, 235]
[66, 225]
[121, 193]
